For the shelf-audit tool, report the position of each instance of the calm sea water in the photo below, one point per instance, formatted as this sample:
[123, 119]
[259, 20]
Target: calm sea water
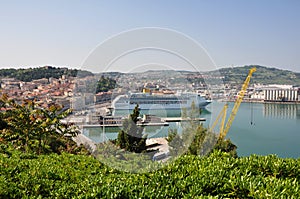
[257, 129]
[275, 129]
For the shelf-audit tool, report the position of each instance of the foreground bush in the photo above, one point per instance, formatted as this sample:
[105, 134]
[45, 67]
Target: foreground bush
[219, 175]
[30, 128]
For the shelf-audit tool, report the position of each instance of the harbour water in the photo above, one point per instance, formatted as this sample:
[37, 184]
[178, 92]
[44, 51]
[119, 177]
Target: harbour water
[275, 129]
[257, 129]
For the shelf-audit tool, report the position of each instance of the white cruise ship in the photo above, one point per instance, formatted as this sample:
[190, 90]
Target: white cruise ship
[147, 101]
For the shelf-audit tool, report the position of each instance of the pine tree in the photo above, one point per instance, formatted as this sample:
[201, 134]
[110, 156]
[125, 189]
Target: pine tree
[131, 137]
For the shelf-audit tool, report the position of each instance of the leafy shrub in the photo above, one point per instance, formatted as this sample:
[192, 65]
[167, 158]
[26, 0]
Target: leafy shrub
[33, 129]
[218, 175]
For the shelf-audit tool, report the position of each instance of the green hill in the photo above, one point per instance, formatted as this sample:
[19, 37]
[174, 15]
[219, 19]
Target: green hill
[30, 74]
[263, 75]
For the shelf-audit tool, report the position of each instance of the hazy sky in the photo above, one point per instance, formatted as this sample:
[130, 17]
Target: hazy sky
[233, 32]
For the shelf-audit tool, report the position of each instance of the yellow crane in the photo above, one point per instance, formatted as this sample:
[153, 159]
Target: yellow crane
[224, 129]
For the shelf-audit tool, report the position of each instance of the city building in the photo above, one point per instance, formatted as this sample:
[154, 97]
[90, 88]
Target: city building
[281, 93]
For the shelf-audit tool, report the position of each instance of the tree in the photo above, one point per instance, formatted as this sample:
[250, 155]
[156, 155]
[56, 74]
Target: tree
[105, 84]
[30, 74]
[190, 142]
[176, 145]
[196, 139]
[131, 137]
[226, 146]
[32, 129]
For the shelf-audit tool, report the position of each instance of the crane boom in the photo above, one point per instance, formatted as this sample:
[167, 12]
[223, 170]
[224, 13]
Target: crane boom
[223, 115]
[238, 102]
[224, 131]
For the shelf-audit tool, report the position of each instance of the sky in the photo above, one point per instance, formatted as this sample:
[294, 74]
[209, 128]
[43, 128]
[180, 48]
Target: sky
[232, 32]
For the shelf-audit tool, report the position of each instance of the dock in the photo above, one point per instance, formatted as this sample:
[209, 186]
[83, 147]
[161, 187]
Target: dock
[120, 125]
[153, 124]
[180, 119]
[147, 120]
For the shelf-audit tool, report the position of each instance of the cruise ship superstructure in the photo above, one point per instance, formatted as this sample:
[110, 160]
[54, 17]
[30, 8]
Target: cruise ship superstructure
[147, 101]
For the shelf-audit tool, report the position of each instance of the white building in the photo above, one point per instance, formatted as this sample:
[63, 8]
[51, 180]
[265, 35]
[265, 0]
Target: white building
[281, 93]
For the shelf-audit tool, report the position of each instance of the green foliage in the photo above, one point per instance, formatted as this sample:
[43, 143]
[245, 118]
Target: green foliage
[175, 142]
[218, 175]
[196, 144]
[131, 137]
[264, 75]
[196, 139]
[111, 155]
[105, 84]
[226, 146]
[32, 129]
[30, 74]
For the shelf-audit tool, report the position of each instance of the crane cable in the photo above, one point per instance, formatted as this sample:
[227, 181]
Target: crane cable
[251, 113]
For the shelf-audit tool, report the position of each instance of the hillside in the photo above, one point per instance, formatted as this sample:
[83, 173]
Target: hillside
[235, 75]
[30, 74]
[263, 75]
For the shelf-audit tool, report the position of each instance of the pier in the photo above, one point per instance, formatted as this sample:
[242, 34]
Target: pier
[119, 125]
[111, 121]
[180, 119]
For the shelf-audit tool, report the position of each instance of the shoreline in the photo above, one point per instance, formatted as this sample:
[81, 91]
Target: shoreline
[259, 101]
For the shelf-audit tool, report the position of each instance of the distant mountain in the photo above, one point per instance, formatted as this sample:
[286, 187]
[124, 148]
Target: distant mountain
[263, 75]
